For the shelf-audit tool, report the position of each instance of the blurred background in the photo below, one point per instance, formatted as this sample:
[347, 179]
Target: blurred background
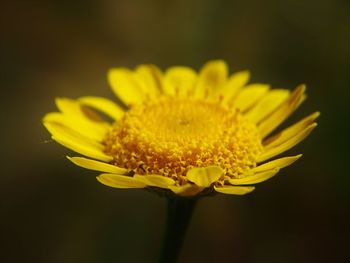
[52, 211]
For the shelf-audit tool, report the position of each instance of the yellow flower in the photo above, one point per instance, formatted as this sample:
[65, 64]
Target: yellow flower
[181, 131]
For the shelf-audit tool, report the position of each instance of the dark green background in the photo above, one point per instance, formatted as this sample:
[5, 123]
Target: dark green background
[52, 211]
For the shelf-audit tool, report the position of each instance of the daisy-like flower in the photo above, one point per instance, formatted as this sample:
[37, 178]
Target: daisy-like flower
[181, 131]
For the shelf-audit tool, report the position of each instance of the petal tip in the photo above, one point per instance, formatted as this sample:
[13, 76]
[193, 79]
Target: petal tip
[316, 114]
[297, 157]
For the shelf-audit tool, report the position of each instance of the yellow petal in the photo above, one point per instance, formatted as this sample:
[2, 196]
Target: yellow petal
[90, 130]
[71, 107]
[271, 101]
[104, 105]
[125, 86]
[58, 129]
[119, 181]
[282, 112]
[80, 113]
[82, 116]
[186, 189]
[179, 81]
[278, 149]
[150, 80]
[212, 76]
[233, 86]
[254, 178]
[250, 95]
[278, 163]
[155, 180]
[290, 132]
[76, 142]
[154, 76]
[234, 190]
[97, 166]
[204, 177]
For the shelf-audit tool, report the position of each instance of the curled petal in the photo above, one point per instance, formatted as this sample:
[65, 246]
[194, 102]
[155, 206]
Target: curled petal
[282, 112]
[290, 132]
[204, 177]
[97, 166]
[186, 189]
[155, 180]
[254, 178]
[270, 102]
[281, 163]
[120, 181]
[234, 190]
[278, 149]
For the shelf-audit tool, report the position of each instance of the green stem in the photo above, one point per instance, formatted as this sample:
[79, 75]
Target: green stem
[179, 214]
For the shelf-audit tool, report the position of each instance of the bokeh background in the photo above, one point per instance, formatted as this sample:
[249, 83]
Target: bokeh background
[52, 211]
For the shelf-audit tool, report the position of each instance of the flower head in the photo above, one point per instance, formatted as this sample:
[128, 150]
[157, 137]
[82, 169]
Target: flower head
[181, 131]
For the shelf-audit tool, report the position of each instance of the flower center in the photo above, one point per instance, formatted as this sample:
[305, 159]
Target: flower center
[170, 136]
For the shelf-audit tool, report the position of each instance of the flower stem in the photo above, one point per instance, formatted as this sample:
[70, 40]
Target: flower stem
[179, 214]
